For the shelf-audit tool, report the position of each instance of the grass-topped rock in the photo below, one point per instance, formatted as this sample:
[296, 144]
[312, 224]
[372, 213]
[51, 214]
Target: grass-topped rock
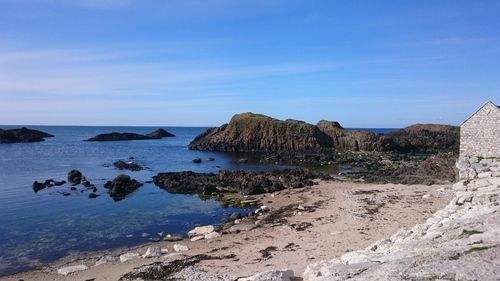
[250, 132]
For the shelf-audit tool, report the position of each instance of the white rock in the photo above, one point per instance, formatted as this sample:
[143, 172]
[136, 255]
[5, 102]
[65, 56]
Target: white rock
[271, 275]
[314, 270]
[484, 175]
[212, 235]
[201, 230]
[354, 257]
[426, 196]
[71, 269]
[129, 256]
[152, 252]
[180, 248]
[104, 260]
[196, 238]
[495, 168]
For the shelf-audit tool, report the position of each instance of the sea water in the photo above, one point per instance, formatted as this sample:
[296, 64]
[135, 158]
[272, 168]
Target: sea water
[37, 228]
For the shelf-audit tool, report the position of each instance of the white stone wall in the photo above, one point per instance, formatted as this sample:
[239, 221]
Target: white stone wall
[480, 134]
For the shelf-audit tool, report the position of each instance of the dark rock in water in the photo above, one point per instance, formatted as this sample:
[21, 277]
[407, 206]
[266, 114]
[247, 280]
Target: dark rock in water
[243, 182]
[37, 186]
[59, 183]
[72, 188]
[64, 193]
[75, 176]
[93, 195]
[121, 187]
[22, 135]
[49, 183]
[197, 160]
[127, 166]
[235, 215]
[186, 182]
[158, 134]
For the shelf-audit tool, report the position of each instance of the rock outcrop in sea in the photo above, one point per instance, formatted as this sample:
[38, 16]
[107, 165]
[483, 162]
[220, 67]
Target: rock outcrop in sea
[249, 132]
[239, 181]
[459, 242]
[114, 136]
[121, 187]
[22, 135]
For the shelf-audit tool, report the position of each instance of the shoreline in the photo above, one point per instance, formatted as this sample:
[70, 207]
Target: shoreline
[312, 224]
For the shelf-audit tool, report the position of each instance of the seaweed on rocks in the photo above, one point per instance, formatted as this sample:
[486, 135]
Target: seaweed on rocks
[165, 270]
[241, 182]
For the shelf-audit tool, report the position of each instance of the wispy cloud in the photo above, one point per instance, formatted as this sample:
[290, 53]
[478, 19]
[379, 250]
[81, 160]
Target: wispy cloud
[83, 71]
[90, 4]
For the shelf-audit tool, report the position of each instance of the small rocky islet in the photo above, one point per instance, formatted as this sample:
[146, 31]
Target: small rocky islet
[115, 136]
[23, 135]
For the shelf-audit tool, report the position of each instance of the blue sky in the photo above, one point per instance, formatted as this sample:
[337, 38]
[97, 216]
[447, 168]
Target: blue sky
[198, 62]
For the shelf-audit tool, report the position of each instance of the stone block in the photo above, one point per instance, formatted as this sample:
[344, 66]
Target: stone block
[354, 257]
[129, 256]
[153, 252]
[180, 248]
[271, 275]
[197, 238]
[72, 269]
[212, 235]
[201, 230]
[483, 175]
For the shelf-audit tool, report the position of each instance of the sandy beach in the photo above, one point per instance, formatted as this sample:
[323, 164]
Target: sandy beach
[302, 226]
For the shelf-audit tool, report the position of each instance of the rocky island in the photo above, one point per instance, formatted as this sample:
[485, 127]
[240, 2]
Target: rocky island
[158, 134]
[22, 135]
[420, 153]
[250, 132]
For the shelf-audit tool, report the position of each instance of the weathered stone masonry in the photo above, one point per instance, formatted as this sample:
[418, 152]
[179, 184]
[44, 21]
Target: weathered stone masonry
[480, 133]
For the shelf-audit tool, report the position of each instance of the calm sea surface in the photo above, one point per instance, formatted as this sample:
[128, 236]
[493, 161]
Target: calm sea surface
[38, 228]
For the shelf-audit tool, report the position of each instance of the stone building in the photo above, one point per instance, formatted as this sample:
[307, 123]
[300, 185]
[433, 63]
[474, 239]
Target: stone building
[480, 133]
